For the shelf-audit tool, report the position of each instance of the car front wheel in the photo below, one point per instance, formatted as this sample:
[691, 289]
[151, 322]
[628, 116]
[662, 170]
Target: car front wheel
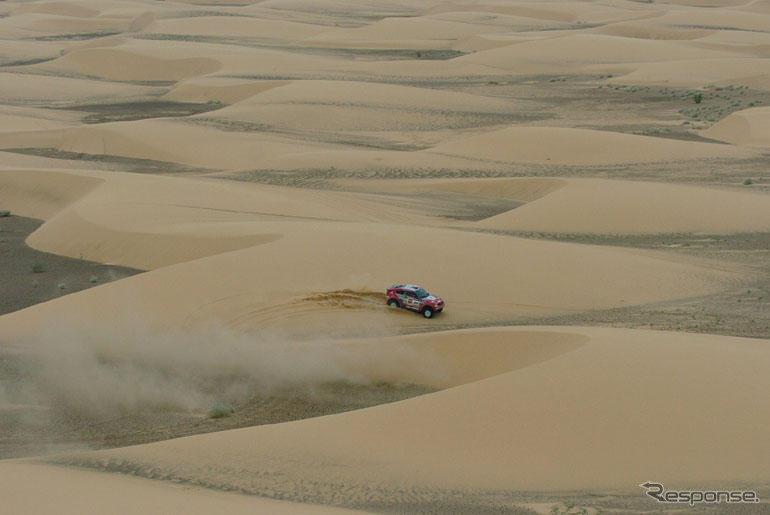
[393, 303]
[427, 313]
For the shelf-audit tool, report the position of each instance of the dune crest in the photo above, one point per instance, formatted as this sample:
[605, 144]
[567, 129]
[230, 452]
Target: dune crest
[580, 146]
[121, 65]
[747, 127]
[203, 203]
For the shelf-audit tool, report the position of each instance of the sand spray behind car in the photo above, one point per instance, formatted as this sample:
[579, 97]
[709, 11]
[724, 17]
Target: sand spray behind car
[122, 367]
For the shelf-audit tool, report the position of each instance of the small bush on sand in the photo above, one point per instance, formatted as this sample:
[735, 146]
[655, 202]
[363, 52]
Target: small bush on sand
[218, 410]
[37, 268]
[748, 182]
[4, 213]
[698, 97]
[93, 279]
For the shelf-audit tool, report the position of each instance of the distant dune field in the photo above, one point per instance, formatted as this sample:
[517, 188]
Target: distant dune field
[203, 202]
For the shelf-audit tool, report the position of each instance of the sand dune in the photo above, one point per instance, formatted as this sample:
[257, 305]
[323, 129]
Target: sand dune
[729, 19]
[153, 222]
[579, 146]
[759, 6]
[378, 142]
[119, 65]
[226, 91]
[166, 141]
[711, 3]
[597, 206]
[368, 8]
[148, 60]
[76, 9]
[753, 43]
[554, 11]
[645, 29]
[510, 432]
[574, 51]
[379, 95]
[50, 25]
[401, 33]
[261, 287]
[29, 89]
[84, 9]
[374, 115]
[752, 72]
[747, 127]
[36, 488]
[88, 140]
[42, 194]
[122, 247]
[621, 207]
[455, 358]
[499, 25]
[523, 190]
[221, 27]
[19, 119]
[354, 160]
[18, 53]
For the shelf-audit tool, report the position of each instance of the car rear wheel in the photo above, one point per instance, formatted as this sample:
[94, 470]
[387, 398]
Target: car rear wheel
[393, 303]
[427, 313]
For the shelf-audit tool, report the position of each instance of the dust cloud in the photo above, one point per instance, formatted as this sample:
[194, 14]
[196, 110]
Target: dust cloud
[124, 370]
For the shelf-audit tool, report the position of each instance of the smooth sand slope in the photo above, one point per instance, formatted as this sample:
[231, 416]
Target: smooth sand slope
[594, 206]
[747, 127]
[624, 207]
[166, 141]
[106, 216]
[749, 71]
[561, 54]
[117, 65]
[30, 488]
[380, 142]
[21, 89]
[624, 404]
[578, 146]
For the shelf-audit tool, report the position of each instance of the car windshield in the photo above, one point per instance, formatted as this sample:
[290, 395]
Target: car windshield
[421, 293]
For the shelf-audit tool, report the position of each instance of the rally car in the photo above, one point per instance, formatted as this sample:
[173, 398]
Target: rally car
[411, 296]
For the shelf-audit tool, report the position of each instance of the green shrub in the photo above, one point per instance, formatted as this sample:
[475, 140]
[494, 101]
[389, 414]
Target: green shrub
[698, 97]
[93, 279]
[748, 182]
[218, 410]
[4, 213]
[37, 268]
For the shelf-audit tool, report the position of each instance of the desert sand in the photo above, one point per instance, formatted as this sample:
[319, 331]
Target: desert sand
[217, 194]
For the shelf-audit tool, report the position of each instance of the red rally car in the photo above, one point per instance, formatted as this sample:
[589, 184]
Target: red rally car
[411, 296]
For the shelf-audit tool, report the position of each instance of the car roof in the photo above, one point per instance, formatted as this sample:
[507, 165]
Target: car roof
[406, 286]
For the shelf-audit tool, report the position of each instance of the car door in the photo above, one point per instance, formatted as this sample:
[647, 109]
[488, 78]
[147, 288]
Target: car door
[412, 302]
[403, 297]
